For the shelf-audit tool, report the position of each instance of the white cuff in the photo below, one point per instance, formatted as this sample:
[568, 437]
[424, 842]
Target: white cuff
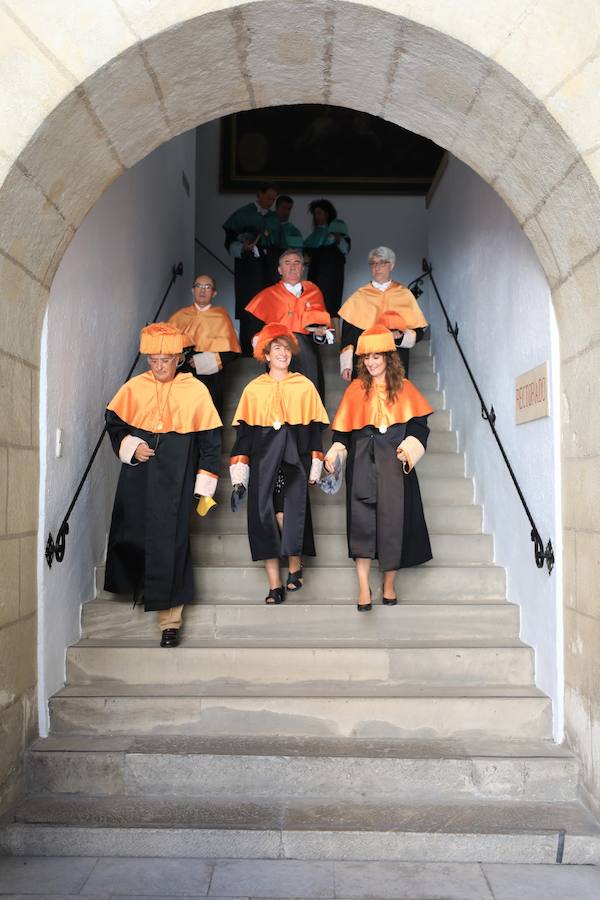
[239, 473]
[316, 467]
[254, 340]
[129, 445]
[346, 359]
[205, 485]
[336, 450]
[409, 339]
[414, 450]
[205, 363]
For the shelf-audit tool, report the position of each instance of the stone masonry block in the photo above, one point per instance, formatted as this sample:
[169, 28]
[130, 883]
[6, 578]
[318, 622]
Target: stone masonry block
[582, 653]
[3, 488]
[587, 576]
[198, 70]
[73, 173]
[31, 85]
[148, 17]
[592, 161]
[11, 739]
[17, 659]
[82, 34]
[9, 582]
[576, 104]
[435, 83]
[540, 161]
[28, 580]
[569, 218]
[579, 383]
[550, 42]
[539, 241]
[22, 490]
[293, 70]
[15, 401]
[569, 538]
[581, 494]
[31, 228]
[22, 304]
[577, 309]
[578, 728]
[125, 99]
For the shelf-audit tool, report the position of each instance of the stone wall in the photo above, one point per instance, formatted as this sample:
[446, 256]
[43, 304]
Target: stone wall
[511, 89]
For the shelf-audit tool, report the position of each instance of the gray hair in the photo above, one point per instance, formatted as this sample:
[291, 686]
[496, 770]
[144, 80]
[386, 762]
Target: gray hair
[383, 253]
[291, 252]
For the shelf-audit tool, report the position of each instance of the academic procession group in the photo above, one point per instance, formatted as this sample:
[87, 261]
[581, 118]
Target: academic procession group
[166, 425]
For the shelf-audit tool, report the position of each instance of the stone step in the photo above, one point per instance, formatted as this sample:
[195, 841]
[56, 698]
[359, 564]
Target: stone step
[441, 490]
[433, 465]
[329, 518]
[210, 549]
[274, 664]
[438, 442]
[418, 771]
[337, 585]
[492, 832]
[331, 709]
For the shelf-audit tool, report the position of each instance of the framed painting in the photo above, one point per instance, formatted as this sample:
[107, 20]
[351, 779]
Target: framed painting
[324, 149]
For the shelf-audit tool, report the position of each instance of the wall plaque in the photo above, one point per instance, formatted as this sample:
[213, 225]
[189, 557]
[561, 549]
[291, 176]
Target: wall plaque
[532, 394]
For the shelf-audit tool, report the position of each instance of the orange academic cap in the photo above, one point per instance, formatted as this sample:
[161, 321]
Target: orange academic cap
[268, 334]
[392, 320]
[377, 339]
[160, 337]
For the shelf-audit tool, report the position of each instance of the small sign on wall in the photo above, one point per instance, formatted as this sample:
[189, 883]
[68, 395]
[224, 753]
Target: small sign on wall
[532, 394]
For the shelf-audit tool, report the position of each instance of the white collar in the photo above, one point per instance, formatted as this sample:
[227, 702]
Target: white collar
[261, 209]
[295, 289]
[381, 285]
[202, 309]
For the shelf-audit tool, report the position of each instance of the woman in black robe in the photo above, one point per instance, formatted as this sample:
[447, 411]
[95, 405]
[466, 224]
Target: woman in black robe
[381, 427]
[166, 432]
[277, 453]
[326, 248]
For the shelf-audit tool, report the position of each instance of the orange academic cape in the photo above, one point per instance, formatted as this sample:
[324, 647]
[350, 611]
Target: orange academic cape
[277, 304]
[182, 405]
[356, 410]
[293, 401]
[366, 304]
[211, 330]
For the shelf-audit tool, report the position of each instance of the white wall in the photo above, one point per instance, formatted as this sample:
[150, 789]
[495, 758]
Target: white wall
[492, 284]
[108, 286]
[397, 222]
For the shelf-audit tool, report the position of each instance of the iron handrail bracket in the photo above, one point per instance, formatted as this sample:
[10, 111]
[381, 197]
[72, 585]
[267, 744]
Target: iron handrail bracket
[542, 554]
[55, 547]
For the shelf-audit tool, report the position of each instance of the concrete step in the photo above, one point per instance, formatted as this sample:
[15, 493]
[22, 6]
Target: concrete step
[329, 518]
[210, 549]
[299, 623]
[273, 664]
[331, 709]
[337, 585]
[418, 771]
[442, 490]
[492, 832]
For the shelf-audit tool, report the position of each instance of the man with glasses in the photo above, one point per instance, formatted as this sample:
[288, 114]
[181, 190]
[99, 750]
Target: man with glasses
[381, 297]
[215, 343]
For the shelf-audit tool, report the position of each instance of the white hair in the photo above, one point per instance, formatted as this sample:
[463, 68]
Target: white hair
[383, 253]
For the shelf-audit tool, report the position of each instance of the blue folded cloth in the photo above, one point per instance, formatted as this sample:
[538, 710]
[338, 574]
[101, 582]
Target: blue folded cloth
[331, 482]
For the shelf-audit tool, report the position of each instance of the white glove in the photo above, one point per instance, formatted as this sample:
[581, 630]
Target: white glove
[239, 473]
[409, 339]
[316, 467]
[334, 451]
[205, 363]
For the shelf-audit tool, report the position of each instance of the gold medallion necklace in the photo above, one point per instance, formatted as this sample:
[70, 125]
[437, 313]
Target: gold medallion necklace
[160, 409]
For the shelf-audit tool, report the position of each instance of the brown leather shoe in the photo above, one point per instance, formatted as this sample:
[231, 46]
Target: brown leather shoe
[170, 637]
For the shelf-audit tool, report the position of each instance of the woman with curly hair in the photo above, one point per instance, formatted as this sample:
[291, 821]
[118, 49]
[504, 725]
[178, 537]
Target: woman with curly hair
[326, 248]
[381, 427]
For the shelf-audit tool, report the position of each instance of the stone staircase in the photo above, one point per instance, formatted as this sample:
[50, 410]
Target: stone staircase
[306, 730]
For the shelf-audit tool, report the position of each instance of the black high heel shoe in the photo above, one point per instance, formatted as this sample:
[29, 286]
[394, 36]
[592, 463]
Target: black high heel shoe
[366, 607]
[387, 601]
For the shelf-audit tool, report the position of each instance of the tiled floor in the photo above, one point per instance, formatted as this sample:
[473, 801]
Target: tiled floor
[103, 878]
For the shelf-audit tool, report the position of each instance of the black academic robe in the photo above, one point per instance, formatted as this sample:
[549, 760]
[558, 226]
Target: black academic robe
[326, 269]
[351, 334]
[214, 382]
[384, 511]
[289, 448]
[148, 545]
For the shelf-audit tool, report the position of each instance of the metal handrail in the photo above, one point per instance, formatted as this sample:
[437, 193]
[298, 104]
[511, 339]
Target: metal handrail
[55, 548]
[542, 555]
[214, 256]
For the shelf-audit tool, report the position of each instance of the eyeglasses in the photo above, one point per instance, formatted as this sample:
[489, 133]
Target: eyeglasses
[204, 286]
[160, 360]
[378, 263]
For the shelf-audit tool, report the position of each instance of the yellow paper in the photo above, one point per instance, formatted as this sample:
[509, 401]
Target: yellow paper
[204, 505]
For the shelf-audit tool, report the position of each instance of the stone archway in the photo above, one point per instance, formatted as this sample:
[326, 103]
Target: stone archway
[86, 96]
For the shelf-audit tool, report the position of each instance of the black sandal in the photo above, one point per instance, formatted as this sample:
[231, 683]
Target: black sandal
[275, 595]
[295, 580]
